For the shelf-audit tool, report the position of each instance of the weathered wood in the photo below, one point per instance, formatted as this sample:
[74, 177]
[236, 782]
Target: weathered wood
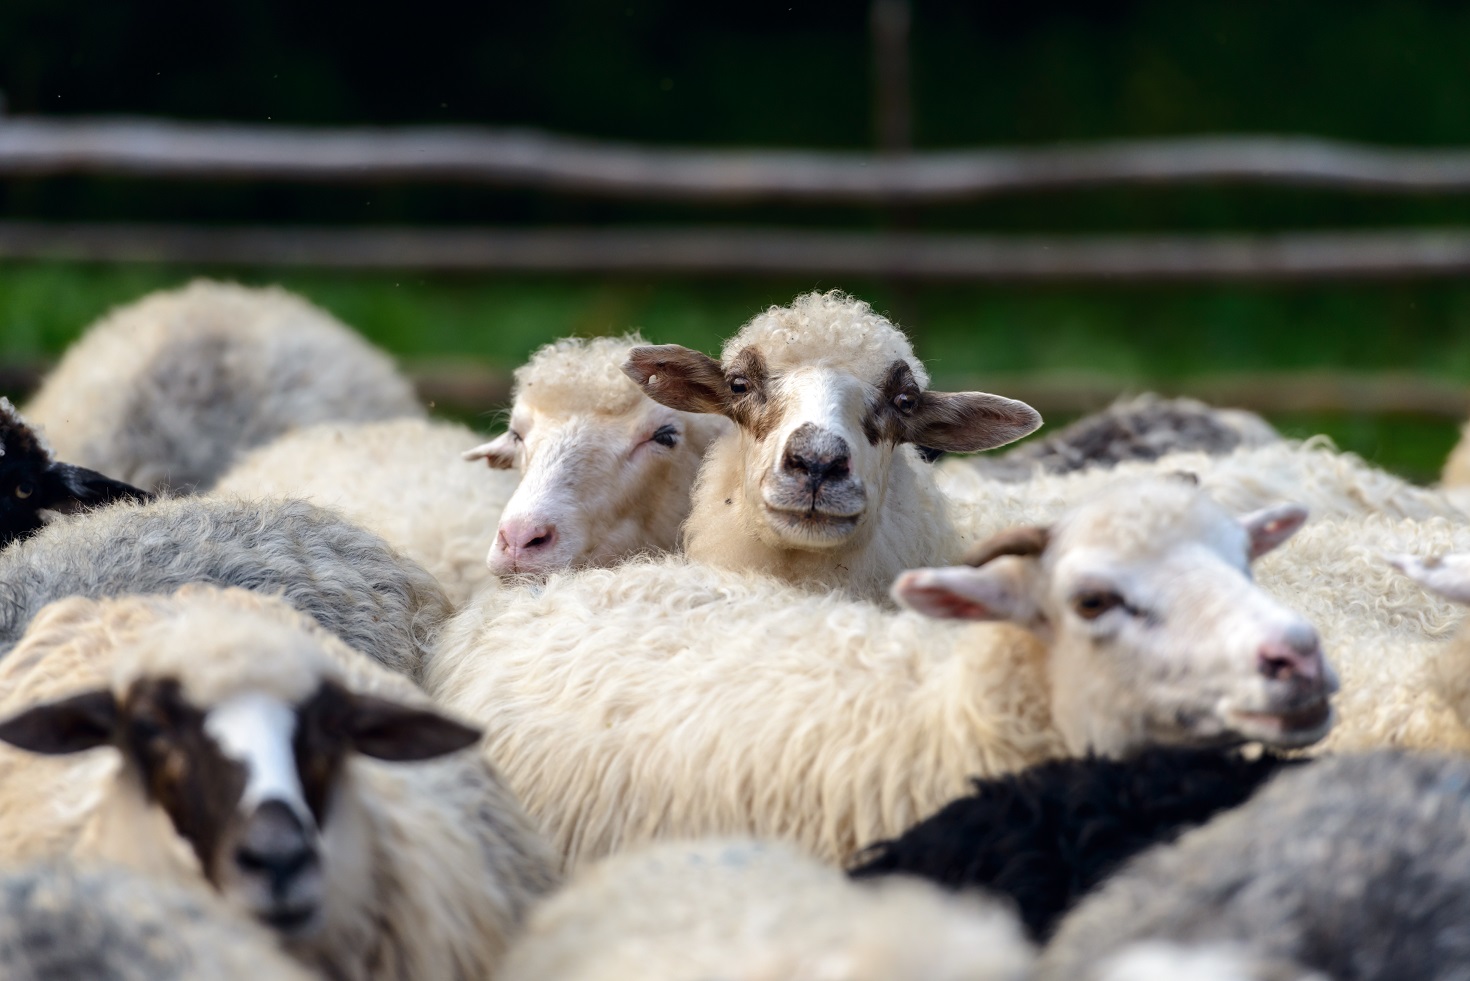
[527, 158]
[765, 252]
[475, 386]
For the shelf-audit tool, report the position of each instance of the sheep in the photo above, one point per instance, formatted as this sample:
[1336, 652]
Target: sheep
[401, 479]
[347, 578]
[606, 472]
[758, 911]
[1049, 834]
[257, 755]
[110, 924]
[1142, 428]
[164, 392]
[32, 481]
[1331, 484]
[820, 481]
[668, 698]
[1354, 867]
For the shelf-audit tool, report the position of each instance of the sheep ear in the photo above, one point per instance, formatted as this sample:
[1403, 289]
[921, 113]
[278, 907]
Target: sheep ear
[70, 725]
[965, 422]
[386, 730]
[999, 590]
[1269, 527]
[499, 453]
[1447, 575]
[680, 378]
[68, 488]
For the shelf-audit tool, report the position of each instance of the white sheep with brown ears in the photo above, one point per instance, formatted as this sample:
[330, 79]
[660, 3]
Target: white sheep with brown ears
[605, 472]
[674, 699]
[253, 752]
[820, 483]
[164, 393]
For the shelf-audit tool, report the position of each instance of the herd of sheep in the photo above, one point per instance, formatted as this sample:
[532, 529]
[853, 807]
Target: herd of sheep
[723, 668]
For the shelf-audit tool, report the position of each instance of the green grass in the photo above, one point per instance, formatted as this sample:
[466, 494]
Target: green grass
[1141, 336]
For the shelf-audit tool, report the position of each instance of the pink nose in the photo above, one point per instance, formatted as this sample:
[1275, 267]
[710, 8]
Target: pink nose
[1295, 657]
[522, 538]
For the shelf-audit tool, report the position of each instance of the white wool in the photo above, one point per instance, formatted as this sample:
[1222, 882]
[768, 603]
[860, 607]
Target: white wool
[440, 861]
[166, 391]
[401, 478]
[759, 911]
[829, 328]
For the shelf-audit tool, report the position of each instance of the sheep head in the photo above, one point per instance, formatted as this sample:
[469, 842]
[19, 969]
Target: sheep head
[1156, 632]
[824, 393]
[32, 482]
[605, 472]
[238, 761]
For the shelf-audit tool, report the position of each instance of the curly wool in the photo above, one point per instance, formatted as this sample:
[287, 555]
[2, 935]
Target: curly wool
[345, 577]
[109, 924]
[1143, 428]
[1047, 835]
[448, 864]
[402, 479]
[758, 911]
[829, 328]
[1357, 867]
[579, 374]
[831, 743]
[164, 392]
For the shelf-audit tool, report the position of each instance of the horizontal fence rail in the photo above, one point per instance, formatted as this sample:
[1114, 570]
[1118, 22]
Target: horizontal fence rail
[764, 252]
[32, 146]
[475, 387]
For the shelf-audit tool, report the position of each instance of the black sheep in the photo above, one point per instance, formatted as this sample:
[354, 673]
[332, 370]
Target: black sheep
[1049, 834]
[31, 481]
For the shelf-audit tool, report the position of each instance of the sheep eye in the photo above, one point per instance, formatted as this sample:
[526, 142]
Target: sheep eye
[905, 401]
[1090, 606]
[739, 385]
[516, 436]
[23, 491]
[666, 436]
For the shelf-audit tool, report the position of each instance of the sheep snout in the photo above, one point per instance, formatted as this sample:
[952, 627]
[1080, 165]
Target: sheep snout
[277, 869]
[521, 545]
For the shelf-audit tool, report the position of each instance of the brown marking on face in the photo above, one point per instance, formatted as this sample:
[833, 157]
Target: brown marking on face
[890, 417]
[182, 768]
[322, 741]
[751, 410]
[1028, 540]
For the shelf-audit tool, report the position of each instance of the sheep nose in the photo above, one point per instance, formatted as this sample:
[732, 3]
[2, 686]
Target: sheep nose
[521, 535]
[276, 846]
[1295, 656]
[817, 454]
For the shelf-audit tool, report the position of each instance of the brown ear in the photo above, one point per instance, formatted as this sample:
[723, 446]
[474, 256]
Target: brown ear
[675, 376]
[1025, 540]
[964, 422]
[70, 725]
[389, 731]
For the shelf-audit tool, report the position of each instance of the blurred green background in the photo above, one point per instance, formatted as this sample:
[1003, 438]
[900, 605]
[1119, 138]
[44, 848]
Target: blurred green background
[786, 74]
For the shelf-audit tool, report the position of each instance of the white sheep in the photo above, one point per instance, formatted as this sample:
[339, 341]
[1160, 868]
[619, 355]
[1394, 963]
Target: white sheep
[164, 392]
[673, 699]
[347, 578]
[1354, 867]
[59, 922]
[401, 479]
[606, 472]
[255, 753]
[820, 482]
[744, 910]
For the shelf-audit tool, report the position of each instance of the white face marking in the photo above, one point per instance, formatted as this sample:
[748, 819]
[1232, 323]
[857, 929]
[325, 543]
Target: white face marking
[256, 730]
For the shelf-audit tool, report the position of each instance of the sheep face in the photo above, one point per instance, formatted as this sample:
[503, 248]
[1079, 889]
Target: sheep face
[818, 439]
[32, 483]
[1156, 632]
[594, 486]
[250, 784]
